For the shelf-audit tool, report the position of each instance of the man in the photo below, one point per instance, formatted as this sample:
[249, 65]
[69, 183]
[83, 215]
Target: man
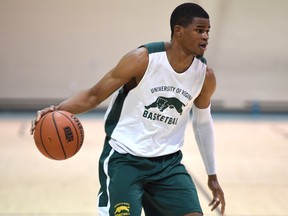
[155, 86]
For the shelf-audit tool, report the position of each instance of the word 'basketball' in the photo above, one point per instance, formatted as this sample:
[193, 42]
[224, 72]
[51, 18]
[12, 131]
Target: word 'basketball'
[59, 135]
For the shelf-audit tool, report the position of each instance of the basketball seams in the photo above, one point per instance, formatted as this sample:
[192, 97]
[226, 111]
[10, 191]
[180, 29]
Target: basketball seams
[78, 145]
[59, 137]
[42, 141]
[51, 140]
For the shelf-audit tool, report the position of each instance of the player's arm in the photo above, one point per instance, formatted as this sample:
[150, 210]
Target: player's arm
[204, 135]
[131, 66]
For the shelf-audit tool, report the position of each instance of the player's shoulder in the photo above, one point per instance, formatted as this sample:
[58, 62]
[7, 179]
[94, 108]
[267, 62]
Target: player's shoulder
[141, 53]
[134, 62]
[154, 47]
[210, 80]
[138, 58]
[209, 71]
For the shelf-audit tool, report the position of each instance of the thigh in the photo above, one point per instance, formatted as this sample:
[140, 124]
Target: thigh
[173, 195]
[120, 192]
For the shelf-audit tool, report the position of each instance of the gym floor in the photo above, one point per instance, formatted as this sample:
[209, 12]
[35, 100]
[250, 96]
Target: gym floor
[252, 159]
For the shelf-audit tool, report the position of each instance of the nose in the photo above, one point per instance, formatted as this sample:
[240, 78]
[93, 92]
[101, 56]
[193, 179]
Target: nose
[206, 36]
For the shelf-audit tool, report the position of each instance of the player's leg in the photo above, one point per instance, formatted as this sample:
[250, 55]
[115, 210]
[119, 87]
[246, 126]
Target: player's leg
[150, 211]
[120, 194]
[162, 204]
[173, 192]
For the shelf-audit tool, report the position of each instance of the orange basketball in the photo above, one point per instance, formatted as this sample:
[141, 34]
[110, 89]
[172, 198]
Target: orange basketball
[59, 135]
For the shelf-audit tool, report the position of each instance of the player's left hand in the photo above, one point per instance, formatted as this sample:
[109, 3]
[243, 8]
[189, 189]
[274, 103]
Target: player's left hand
[218, 195]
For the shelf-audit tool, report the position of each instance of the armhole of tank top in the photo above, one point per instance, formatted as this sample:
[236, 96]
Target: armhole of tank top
[153, 47]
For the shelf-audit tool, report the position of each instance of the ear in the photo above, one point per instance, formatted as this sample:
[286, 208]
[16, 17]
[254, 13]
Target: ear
[178, 30]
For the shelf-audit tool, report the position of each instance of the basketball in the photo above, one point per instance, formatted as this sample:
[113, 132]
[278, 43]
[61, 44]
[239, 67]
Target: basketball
[59, 135]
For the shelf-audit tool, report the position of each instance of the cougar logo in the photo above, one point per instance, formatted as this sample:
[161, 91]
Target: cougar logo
[122, 209]
[163, 103]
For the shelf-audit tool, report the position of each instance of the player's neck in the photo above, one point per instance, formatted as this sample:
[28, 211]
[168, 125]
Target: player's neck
[177, 57]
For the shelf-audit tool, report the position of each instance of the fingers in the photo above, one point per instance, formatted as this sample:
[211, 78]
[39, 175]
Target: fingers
[223, 208]
[39, 115]
[215, 203]
[218, 195]
[217, 200]
[33, 123]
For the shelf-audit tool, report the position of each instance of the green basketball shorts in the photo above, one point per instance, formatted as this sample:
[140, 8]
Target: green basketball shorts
[161, 185]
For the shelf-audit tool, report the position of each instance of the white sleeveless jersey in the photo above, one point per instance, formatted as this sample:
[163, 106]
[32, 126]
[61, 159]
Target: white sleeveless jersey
[150, 120]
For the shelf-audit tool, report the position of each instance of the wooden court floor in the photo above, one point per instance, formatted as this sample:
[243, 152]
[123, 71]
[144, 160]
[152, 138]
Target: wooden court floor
[252, 155]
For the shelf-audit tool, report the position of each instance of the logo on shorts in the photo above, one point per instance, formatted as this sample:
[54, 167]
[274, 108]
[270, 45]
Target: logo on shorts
[122, 209]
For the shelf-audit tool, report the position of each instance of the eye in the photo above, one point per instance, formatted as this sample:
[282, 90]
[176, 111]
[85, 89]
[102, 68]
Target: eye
[202, 31]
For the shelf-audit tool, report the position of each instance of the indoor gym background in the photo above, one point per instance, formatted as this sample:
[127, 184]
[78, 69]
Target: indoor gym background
[51, 49]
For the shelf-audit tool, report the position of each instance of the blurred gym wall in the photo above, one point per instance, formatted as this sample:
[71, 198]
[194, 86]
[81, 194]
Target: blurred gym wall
[50, 49]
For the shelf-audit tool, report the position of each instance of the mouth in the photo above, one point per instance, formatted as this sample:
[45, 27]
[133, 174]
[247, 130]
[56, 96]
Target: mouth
[204, 46]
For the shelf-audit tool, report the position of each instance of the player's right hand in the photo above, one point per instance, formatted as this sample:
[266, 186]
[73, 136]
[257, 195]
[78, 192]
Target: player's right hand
[39, 115]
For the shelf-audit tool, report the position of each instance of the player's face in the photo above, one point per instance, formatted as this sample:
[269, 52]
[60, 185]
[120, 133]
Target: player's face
[196, 35]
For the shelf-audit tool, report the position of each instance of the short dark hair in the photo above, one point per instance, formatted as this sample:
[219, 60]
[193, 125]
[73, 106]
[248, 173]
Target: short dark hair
[183, 15]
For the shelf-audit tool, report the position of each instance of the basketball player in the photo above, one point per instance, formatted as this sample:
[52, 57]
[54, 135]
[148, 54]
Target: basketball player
[155, 86]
